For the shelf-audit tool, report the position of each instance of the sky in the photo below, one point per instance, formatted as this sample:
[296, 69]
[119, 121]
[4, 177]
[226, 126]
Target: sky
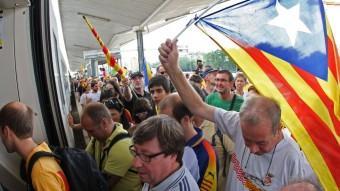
[193, 39]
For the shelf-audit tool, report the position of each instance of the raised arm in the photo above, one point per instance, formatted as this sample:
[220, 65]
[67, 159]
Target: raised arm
[127, 95]
[168, 56]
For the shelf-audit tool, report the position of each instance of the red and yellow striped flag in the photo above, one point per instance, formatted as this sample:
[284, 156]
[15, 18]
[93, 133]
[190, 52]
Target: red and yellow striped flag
[109, 59]
[287, 50]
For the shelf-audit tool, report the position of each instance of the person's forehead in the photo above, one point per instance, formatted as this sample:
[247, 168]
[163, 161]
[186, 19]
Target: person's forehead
[154, 88]
[136, 77]
[150, 146]
[222, 75]
[257, 132]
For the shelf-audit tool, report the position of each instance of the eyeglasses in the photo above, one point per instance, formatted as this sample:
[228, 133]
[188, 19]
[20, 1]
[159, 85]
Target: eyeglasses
[221, 80]
[112, 103]
[143, 157]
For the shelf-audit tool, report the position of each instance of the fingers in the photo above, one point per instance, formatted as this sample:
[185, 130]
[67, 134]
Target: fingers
[165, 50]
[163, 59]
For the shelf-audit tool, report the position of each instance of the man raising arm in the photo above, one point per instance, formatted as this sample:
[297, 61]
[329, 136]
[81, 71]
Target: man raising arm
[264, 159]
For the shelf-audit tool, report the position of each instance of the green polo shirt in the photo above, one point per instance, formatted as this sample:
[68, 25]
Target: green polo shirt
[118, 162]
[214, 99]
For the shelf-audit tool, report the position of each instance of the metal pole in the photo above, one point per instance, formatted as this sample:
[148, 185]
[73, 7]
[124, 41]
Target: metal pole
[140, 47]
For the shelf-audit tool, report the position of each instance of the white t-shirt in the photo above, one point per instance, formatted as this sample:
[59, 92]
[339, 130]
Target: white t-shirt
[288, 161]
[83, 98]
[95, 96]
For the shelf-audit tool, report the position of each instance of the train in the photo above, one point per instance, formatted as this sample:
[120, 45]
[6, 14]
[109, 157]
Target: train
[35, 71]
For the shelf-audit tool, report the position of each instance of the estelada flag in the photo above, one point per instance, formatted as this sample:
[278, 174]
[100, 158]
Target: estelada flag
[286, 48]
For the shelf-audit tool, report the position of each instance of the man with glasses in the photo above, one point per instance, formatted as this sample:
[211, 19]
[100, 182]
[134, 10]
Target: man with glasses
[158, 145]
[264, 158]
[223, 96]
[114, 160]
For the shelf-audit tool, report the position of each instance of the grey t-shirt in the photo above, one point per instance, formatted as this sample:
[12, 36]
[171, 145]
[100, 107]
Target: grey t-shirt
[288, 161]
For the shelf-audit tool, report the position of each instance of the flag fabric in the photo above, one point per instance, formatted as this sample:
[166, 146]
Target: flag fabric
[147, 73]
[286, 48]
[110, 59]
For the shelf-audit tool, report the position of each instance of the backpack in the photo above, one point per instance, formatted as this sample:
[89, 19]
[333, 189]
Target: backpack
[79, 167]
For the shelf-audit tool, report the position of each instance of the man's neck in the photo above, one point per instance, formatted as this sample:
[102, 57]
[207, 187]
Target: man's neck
[172, 169]
[189, 132]
[209, 88]
[226, 95]
[25, 147]
[108, 133]
[139, 91]
[239, 92]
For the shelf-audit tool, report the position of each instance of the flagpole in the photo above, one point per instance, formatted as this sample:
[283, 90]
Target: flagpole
[194, 20]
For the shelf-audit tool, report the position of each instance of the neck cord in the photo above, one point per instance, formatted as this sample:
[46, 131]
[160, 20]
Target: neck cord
[270, 162]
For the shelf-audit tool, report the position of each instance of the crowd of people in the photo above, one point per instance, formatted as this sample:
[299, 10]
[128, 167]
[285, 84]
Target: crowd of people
[206, 131]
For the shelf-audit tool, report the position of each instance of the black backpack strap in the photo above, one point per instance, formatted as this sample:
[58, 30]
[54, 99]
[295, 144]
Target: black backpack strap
[32, 161]
[232, 103]
[106, 151]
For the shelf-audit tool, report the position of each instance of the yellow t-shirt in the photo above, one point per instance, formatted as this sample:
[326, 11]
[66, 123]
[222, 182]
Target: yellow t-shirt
[118, 162]
[46, 172]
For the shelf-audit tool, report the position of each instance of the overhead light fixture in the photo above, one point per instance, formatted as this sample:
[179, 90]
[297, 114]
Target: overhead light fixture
[94, 17]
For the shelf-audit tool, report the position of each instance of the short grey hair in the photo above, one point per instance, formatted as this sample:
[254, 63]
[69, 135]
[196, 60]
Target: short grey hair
[168, 132]
[255, 108]
[97, 112]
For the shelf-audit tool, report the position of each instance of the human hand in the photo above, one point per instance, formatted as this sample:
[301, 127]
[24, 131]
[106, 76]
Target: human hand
[168, 56]
[125, 82]
[70, 120]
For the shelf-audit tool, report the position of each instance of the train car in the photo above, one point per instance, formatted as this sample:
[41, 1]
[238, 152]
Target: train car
[35, 71]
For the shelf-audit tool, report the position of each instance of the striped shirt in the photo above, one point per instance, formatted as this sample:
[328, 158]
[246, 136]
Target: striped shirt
[180, 180]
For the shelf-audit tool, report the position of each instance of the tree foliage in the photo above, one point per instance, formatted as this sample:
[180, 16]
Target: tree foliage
[217, 59]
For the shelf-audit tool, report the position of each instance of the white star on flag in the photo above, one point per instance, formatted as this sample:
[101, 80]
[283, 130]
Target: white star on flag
[289, 20]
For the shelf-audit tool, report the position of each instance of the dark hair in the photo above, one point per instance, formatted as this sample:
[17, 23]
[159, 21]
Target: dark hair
[93, 83]
[142, 105]
[116, 87]
[168, 132]
[196, 78]
[160, 80]
[198, 90]
[116, 104]
[231, 77]
[19, 118]
[180, 110]
[252, 88]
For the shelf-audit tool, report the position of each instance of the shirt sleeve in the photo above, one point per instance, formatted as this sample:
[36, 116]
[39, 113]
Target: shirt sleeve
[228, 122]
[46, 177]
